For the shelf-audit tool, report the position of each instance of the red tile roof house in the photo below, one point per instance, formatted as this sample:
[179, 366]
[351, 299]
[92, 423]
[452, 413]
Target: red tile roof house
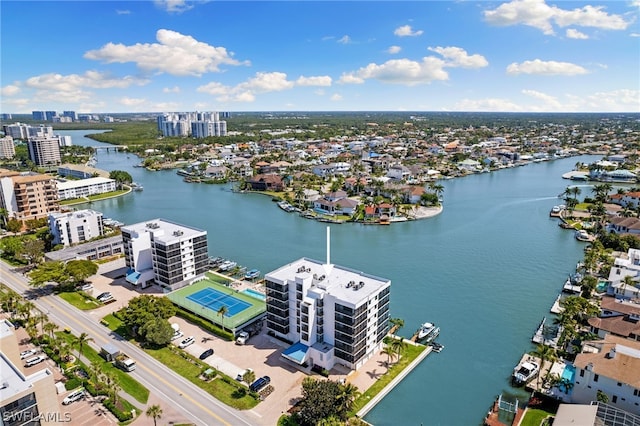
[376, 212]
[266, 183]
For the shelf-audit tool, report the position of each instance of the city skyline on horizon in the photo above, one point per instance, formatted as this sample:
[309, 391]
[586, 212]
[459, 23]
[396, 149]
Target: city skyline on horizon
[358, 56]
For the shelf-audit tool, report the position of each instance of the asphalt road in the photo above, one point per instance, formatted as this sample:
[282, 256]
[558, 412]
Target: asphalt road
[171, 388]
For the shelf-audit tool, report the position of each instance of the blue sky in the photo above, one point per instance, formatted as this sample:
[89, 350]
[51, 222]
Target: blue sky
[178, 55]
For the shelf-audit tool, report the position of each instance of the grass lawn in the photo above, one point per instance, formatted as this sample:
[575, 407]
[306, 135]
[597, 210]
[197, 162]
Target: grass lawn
[227, 391]
[410, 353]
[80, 300]
[116, 325]
[127, 383]
[94, 197]
[534, 417]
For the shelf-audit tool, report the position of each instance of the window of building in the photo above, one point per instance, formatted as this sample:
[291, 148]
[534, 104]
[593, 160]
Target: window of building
[596, 377]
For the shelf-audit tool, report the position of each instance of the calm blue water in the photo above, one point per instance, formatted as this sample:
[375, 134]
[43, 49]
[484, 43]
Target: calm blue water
[486, 270]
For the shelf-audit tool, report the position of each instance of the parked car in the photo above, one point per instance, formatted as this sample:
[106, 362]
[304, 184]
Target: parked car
[105, 297]
[186, 342]
[242, 338]
[260, 383]
[177, 334]
[86, 287]
[240, 376]
[74, 396]
[28, 353]
[206, 354]
[35, 360]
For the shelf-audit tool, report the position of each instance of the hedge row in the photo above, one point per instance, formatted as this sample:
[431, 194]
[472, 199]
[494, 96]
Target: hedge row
[204, 323]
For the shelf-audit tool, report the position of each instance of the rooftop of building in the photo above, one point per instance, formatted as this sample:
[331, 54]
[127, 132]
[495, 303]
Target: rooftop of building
[79, 214]
[349, 285]
[80, 251]
[71, 184]
[164, 231]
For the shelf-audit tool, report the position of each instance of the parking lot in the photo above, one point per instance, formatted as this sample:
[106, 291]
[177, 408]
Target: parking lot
[86, 411]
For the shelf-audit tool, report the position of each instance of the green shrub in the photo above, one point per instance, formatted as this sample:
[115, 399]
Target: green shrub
[122, 416]
[73, 383]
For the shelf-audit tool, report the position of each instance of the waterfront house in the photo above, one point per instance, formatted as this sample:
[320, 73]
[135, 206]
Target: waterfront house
[610, 366]
[617, 317]
[624, 225]
[629, 199]
[270, 182]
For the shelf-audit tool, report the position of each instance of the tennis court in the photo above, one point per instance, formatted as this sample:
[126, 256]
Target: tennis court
[205, 298]
[215, 300]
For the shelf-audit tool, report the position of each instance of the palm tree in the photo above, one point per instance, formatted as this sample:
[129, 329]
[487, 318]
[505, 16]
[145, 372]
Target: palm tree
[398, 346]
[49, 328]
[222, 312]
[249, 377]
[348, 394]
[627, 281]
[545, 353]
[81, 340]
[95, 372]
[154, 412]
[4, 214]
[396, 324]
[390, 353]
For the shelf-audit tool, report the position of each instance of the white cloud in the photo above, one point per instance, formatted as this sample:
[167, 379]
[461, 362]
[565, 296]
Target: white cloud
[537, 14]
[573, 33]
[614, 101]
[131, 101]
[345, 40]
[548, 100]
[401, 71]
[71, 82]
[394, 49]
[175, 54]
[246, 91]
[489, 104]
[545, 68]
[123, 12]
[634, 34]
[174, 89]
[173, 6]
[407, 31]
[10, 90]
[323, 80]
[336, 97]
[457, 57]
[350, 78]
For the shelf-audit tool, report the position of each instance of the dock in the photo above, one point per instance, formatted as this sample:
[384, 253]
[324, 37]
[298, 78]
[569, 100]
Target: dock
[556, 308]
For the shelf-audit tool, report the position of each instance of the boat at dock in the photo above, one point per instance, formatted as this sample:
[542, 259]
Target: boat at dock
[427, 332]
[525, 371]
[286, 206]
[437, 347]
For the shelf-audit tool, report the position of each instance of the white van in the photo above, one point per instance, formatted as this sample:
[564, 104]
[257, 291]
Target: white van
[35, 360]
[73, 396]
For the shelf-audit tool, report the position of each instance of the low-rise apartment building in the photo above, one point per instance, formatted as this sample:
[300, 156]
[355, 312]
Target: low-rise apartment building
[85, 187]
[75, 227]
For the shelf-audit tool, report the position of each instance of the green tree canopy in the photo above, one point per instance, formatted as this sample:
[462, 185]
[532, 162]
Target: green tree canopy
[320, 400]
[80, 270]
[156, 331]
[121, 177]
[146, 309]
[49, 272]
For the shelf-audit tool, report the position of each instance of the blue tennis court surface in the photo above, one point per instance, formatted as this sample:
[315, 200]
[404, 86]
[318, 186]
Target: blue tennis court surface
[214, 300]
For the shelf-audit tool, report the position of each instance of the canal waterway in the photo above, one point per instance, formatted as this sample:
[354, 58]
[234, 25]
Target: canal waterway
[486, 270]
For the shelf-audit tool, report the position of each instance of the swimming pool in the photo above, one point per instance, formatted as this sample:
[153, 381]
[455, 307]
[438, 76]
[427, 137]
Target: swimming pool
[254, 294]
[602, 286]
[568, 376]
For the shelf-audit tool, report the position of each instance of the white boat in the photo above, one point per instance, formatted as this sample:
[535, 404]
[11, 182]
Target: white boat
[286, 206]
[525, 371]
[428, 332]
[582, 235]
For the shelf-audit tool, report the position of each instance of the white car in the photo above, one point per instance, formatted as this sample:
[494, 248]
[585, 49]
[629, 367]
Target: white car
[242, 338]
[105, 297]
[35, 360]
[28, 353]
[186, 342]
[74, 396]
[177, 334]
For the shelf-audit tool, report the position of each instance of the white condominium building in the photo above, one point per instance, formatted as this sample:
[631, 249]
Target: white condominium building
[330, 314]
[164, 253]
[84, 187]
[197, 124]
[75, 227]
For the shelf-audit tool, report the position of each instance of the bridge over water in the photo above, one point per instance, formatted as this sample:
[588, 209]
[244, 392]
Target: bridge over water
[114, 148]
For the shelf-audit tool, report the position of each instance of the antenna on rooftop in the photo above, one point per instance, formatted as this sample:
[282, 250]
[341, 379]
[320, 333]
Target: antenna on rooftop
[328, 266]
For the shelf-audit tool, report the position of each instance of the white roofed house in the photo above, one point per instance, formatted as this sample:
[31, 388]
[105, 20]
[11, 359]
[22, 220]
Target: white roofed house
[329, 313]
[217, 172]
[399, 172]
[623, 266]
